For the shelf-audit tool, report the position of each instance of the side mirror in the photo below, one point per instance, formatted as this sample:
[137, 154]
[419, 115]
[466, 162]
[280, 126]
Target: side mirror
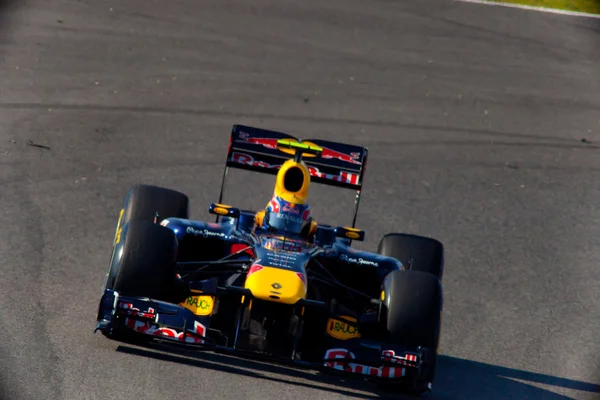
[224, 210]
[325, 235]
[350, 233]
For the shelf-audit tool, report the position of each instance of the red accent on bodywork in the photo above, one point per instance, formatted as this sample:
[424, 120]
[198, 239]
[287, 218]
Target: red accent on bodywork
[331, 154]
[229, 145]
[150, 314]
[275, 207]
[266, 142]
[301, 276]
[148, 328]
[348, 366]
[254, 268]
[239, 246]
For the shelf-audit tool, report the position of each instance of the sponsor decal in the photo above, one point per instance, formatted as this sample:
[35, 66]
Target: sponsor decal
[348, 366]
[344, 176]
[150, 314]
[269, 143]
[119, 227]
[289, 217]
[341, 330]
[203, 232]
[148, 328]
[359, 261]
[390, 356]
[164, 222]
[278, 205]
[247, 159]
[292, 208]
[278, 244]
[199, 305]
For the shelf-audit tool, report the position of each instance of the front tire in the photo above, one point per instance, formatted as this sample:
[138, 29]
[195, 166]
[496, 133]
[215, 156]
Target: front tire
[144, 203]
[410, 315]
[147, 265]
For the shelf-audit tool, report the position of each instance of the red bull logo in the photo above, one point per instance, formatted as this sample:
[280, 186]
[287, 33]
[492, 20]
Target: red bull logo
[266, 142]
[279, 205]
[291, 208]
[332, 154]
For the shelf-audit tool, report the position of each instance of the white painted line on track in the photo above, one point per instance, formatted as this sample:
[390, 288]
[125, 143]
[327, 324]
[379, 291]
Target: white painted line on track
[533, 8]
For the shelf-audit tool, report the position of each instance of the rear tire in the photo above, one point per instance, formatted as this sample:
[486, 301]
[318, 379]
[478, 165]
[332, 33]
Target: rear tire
[143, 203]
[417, 253]
[410, 315]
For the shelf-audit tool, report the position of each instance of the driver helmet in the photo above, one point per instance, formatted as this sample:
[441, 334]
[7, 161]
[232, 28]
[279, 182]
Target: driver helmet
[286, 217]
[288, 211]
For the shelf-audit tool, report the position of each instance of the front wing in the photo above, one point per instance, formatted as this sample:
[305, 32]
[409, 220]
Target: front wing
[121, 317]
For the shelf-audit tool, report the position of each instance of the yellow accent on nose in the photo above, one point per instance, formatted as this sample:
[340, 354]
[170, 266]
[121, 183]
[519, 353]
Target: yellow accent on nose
[275, 284]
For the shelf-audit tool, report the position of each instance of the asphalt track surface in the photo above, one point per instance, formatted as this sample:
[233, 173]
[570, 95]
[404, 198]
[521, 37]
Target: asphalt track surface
[474, 116]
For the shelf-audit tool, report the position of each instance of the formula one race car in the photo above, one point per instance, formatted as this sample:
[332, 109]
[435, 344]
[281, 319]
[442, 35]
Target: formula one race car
[276, 282]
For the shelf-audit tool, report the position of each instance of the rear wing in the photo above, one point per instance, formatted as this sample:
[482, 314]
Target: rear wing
[256, 149]
[338, 164]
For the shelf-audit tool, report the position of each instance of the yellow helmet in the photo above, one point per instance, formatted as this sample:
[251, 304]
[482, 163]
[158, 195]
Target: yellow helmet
[288, 210]
[292, 183]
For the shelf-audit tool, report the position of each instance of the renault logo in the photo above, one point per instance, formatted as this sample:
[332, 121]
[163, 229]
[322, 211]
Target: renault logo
[276, 286]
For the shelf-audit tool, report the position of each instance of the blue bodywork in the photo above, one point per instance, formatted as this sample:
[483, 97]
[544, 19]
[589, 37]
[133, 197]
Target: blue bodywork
[336, 327]
[156, 320]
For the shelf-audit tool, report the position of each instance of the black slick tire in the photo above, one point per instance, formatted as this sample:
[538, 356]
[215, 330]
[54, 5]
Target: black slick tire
[417, 253]
[144, 203]
[147, 265]
[410, 315]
